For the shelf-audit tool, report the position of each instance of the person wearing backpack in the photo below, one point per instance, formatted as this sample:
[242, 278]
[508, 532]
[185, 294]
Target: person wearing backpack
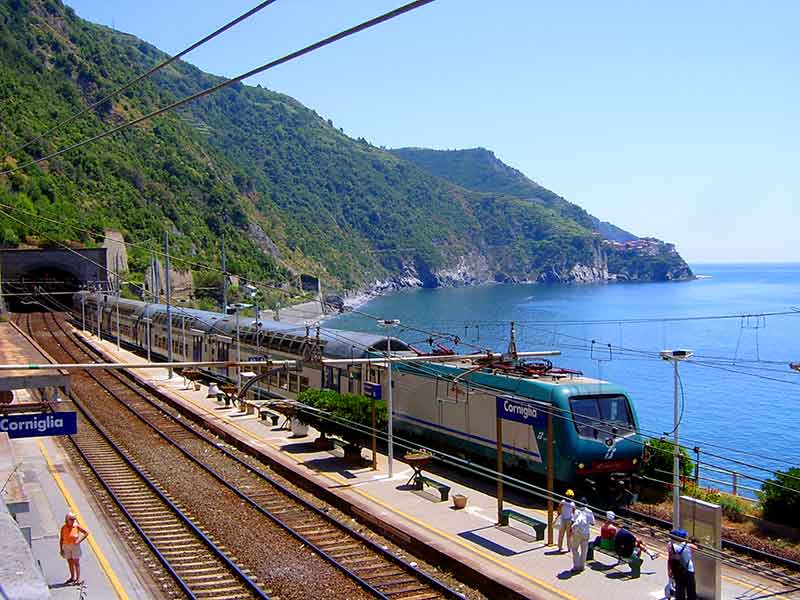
[680, 566]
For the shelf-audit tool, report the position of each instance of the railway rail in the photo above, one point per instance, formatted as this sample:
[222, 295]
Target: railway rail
[780, 569]
[374, 568]
[199, 566]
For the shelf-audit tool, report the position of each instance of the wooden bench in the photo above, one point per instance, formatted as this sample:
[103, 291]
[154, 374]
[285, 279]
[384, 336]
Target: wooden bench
[421, 481]
[538, 525]
[634, 561]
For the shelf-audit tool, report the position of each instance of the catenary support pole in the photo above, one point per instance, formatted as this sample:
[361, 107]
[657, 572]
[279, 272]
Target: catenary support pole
[499, 441]
[550, 475]
[390, 409]
[224, 280]
[169, 302]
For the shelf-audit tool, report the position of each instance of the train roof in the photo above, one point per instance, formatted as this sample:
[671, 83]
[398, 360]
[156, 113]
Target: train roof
[337, 343]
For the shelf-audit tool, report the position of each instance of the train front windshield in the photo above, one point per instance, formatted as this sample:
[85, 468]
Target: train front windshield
[599, 417]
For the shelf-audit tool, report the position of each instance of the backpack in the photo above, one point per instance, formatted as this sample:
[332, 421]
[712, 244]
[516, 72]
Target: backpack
[676, 564]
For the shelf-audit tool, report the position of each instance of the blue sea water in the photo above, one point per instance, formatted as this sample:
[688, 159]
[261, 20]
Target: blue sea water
[738, 391]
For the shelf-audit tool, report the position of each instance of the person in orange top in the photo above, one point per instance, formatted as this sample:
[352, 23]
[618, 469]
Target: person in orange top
[72, 535]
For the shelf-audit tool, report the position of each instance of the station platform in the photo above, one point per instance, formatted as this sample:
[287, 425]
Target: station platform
[40, 486]
[466, 540]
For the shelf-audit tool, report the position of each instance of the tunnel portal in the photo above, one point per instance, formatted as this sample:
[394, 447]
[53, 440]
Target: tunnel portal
[32, 278]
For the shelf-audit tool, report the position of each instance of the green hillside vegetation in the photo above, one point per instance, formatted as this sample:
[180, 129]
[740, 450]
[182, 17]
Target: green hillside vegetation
[288, 190]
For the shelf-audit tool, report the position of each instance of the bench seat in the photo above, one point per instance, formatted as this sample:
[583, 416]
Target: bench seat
[421, 481]
[538, 525]
[634, 561]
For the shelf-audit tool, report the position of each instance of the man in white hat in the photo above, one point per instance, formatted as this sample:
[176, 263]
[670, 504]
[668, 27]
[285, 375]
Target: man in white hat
[581, 529]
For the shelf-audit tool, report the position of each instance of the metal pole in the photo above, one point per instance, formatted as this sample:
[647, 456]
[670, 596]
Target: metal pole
[390, 408]
[118, 341]
[98, 316]
[676, 481]
[224, 280]
[83, 312]
[697, 465]
[183, 336]
[169, 305]
[550, 475]
[238, 354]
[374, 436]
[499, 434]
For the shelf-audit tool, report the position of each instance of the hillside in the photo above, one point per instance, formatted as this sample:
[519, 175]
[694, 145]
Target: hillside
[289, 191]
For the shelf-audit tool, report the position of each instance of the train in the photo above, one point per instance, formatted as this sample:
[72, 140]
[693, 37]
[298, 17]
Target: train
[450, 405]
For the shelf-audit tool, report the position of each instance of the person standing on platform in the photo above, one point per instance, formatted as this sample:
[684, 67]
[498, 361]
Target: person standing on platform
[566, 510]
[580, 532]
[680, 565]
[70, 542]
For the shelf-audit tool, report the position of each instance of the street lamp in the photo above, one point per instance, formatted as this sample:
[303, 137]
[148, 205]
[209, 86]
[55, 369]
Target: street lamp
[675, 356]
[390, 323]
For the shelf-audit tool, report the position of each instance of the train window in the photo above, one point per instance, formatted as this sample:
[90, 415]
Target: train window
[293, 383]
[303, 383]
[599, 416]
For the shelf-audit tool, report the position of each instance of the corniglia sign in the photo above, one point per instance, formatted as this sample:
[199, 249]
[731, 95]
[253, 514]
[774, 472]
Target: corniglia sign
[522, 411]
[39, 424]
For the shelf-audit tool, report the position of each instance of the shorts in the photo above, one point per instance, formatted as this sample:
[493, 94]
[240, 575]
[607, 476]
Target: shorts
[71, 551]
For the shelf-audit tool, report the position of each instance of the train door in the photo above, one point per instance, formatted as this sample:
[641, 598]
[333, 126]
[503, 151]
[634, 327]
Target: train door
[223, 346]
[333, 377]
[197, 345]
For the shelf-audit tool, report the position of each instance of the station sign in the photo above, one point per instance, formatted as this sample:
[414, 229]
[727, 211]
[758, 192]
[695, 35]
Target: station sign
[39, 424]
[521, 411]
[372, 390]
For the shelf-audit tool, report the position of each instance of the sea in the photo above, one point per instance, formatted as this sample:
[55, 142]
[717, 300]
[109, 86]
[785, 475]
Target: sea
[740, 400]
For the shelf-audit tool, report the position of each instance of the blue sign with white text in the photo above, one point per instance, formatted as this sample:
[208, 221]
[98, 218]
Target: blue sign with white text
[372, 390]
[522, 411]
[38, 424]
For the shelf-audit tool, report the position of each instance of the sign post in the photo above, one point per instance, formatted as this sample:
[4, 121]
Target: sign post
[39, 424]
[532, 413]
[373, 391]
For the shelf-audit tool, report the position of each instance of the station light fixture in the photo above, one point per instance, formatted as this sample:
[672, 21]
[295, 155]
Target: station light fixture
[676, 356]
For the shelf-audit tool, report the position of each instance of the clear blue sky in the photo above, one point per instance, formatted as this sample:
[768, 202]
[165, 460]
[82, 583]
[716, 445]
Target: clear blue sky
[678, 120]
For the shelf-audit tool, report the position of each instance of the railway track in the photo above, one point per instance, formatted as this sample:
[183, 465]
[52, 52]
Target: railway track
[376, 570]
[199, 566]
[779, 569]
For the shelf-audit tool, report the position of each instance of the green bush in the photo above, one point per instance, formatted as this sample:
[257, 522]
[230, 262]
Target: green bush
[348, 416]
[658, 462]
[780, 498]
[733, 507]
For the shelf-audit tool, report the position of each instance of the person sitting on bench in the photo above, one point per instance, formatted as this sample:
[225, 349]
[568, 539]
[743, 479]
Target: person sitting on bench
[608, 532]
[627, 545]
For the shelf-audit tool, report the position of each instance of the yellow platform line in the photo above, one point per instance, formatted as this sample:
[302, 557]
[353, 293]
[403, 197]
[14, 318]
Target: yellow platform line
[260, 440]
[73, 507]
[456, 540]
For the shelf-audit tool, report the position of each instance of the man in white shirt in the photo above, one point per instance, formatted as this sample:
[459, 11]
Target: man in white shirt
[580, 531]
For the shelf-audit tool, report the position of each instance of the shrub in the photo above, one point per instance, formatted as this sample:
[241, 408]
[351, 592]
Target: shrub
[658, 461]
[348, 416]
[780, 498]
[733, 507]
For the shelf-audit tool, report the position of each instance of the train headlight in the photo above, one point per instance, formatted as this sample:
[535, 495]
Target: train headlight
[635, 460]
[581, 465]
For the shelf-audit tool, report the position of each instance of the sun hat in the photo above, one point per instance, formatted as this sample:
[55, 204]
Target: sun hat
[679, 533]
[570, 493]
[611, 516]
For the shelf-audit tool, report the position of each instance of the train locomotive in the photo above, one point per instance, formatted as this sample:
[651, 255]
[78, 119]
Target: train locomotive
[449, 405]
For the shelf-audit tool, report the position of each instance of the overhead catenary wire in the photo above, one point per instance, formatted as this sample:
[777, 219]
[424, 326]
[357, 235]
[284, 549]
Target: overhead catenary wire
[143, 76]
[265, 67]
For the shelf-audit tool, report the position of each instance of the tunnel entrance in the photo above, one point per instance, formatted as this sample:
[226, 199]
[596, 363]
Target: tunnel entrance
[48, 286]
[35, 278]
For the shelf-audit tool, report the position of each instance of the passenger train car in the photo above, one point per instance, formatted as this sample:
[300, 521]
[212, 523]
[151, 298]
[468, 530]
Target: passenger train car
[446, 405]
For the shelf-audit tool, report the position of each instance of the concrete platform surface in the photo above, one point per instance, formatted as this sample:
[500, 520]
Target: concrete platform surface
[53, 488]
[470, 536]
[17, 349]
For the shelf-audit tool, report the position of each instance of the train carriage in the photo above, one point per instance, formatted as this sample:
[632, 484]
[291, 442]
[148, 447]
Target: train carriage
[449, 405]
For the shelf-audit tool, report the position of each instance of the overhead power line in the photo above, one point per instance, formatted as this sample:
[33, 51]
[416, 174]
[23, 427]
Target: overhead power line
[141, 77]
[270, 65]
